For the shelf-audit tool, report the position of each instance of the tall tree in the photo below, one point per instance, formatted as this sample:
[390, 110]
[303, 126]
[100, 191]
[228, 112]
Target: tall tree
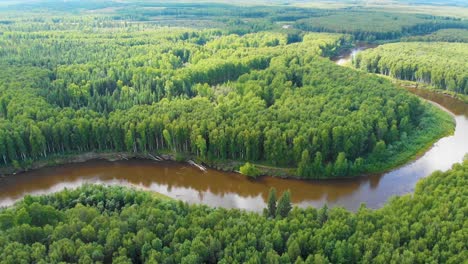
[284, 204]
[272, 202]
[304, 167]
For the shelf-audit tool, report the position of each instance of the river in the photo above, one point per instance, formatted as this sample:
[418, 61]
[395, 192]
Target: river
[231, 190]
[348, 55]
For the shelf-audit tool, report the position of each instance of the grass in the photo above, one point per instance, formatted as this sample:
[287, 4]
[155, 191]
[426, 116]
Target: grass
[160, 196]
[435, 124]
[390, 6]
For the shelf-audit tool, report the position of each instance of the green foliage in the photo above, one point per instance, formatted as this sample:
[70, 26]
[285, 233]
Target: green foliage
[110, 82]
[341, 165]
[271, 203]
[284, 204]
[377, 25]
[443, 35]
[132, 226]
[304, 168]
[442, 65]
[422, 139]
[250, 170]
[250, 98]
[75, 84]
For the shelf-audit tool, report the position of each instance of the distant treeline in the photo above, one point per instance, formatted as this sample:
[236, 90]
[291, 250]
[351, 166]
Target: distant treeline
[443, 35]
[242, 19]
[372, 26]
[442, 65]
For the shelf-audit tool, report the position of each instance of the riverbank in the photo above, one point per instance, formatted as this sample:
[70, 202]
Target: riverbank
[439, 124]
[181, 181]
[56, 160]
[435, 124]
[345, 59]
[418, 85]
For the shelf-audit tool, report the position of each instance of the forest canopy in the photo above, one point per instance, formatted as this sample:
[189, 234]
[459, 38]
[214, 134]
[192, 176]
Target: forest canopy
[443, 35]
[119, 225]
[257, 97]
[371, 26]
[442, 65]
[247, 87]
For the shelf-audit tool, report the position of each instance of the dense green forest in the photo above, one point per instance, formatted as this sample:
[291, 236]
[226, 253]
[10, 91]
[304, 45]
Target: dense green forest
[247, 87]
[115, 82]
[443, 35]
[442, 65]
[95, 224]
[263, 97]
[371, 26]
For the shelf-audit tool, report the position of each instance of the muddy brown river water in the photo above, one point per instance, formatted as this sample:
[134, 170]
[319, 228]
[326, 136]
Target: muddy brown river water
[231, 190]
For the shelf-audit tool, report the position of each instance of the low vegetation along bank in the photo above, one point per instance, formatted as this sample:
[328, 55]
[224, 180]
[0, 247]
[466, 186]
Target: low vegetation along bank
[432, 89]
[119, 225]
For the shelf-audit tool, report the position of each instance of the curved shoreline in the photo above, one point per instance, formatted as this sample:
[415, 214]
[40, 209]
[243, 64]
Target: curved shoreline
[228, 166]
[215, 188]
[233, 165]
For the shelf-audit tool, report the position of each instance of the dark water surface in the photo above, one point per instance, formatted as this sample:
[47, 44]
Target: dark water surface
[230, 190]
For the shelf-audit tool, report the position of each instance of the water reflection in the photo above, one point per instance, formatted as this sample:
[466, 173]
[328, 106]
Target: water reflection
[348, 55]
[176, 180]
[230, 190]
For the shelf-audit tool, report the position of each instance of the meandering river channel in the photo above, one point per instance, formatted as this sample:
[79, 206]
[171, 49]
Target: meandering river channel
[230, 190]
